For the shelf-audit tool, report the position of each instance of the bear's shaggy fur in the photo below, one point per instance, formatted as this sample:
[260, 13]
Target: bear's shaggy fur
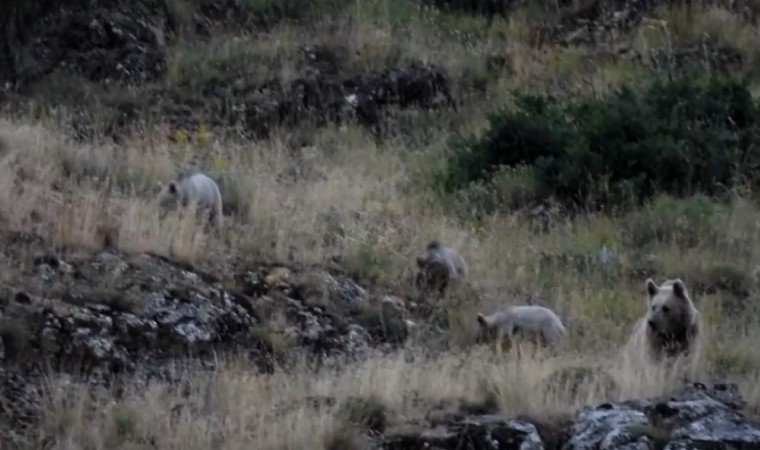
[439, 267]
[671, 326]
[534, 323]
[195, 188]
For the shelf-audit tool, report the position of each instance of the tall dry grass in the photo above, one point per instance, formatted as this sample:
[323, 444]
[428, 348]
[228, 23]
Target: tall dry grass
[236, 408]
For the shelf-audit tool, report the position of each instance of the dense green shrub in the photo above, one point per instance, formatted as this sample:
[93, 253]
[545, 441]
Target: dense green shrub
[491, 8]
[678, 137]
[683, 221]
[483, 7]
[273, 11]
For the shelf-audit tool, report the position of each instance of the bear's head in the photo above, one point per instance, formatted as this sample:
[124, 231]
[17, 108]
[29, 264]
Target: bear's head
[487, 330]
[172, 194]
[168, 194]
[670, 310]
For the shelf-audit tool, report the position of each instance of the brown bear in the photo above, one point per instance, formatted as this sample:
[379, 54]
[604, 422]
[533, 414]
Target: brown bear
[671, 326]
[438, 268]
[195, 188]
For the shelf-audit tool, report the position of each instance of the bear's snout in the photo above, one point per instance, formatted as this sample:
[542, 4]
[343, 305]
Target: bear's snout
[652, 325]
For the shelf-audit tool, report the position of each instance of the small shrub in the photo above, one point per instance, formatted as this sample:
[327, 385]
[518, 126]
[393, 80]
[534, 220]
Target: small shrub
[577, 381]
[369, 263]
[684, 222]
[383, 323]
[486, 398]
[365, 412]
[119, 300]
[125, 420]
[343, 437]
[733, 283]
[659, 435]
[681, 137]
[16, 337]
[735, 362]
[555, 429]
[271, 341]
[482, 7]
[728, 277]
[4, 146]
[641, 266]
[236, 199]
[510, 188]
[273, 11]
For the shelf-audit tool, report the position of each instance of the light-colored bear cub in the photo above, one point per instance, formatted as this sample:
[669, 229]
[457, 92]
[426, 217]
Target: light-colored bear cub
[195, 188]
[671, 326]
[534, 323]
[439, 267]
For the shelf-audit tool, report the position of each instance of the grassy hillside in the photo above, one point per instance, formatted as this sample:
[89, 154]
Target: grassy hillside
[258, 102]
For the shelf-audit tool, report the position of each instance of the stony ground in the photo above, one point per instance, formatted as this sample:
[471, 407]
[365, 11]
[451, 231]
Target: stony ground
[122, 327]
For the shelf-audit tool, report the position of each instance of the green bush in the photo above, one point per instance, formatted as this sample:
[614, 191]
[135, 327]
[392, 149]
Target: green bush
[491, 8]
[677, 137]
[272, 11]
[482, 7]
[685, 222]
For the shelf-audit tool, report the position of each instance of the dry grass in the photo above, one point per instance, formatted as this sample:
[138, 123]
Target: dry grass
[236, 408]
[286, 199]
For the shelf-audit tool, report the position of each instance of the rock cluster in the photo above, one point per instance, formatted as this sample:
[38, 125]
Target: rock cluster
[696, 417]
[109, 313]
[118, 42]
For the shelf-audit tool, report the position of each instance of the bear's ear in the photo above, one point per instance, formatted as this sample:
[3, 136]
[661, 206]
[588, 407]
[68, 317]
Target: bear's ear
[652, 287]
[679, 289]
[482, 320]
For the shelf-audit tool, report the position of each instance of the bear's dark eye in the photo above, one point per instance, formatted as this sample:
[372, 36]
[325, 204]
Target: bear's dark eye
[665, 309]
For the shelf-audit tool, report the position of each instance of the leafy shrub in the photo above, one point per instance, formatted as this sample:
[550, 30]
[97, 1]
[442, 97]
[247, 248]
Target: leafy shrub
[574, 381]
[677, 137]
[364, 412]
[484, 7]
[733, 283]
[685, 222]
[272, 11]
[490, 8]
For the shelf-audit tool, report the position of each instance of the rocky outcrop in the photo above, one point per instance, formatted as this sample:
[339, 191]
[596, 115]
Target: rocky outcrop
[63, 55]
[105, 41]
[696, 417]
[111, 313]
[147, 317]
[321, 94]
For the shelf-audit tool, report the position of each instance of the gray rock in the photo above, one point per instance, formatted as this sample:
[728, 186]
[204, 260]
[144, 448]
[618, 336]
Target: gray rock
[111, 312]
[609, 427]
[696, 417]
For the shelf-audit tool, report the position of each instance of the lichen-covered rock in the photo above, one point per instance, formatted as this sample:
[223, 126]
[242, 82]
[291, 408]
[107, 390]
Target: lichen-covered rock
[109, 313]
[610, 427]
[697, 417]
[46, 49]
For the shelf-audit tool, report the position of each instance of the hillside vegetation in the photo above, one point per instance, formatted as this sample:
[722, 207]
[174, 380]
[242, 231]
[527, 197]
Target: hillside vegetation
[568, 150]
